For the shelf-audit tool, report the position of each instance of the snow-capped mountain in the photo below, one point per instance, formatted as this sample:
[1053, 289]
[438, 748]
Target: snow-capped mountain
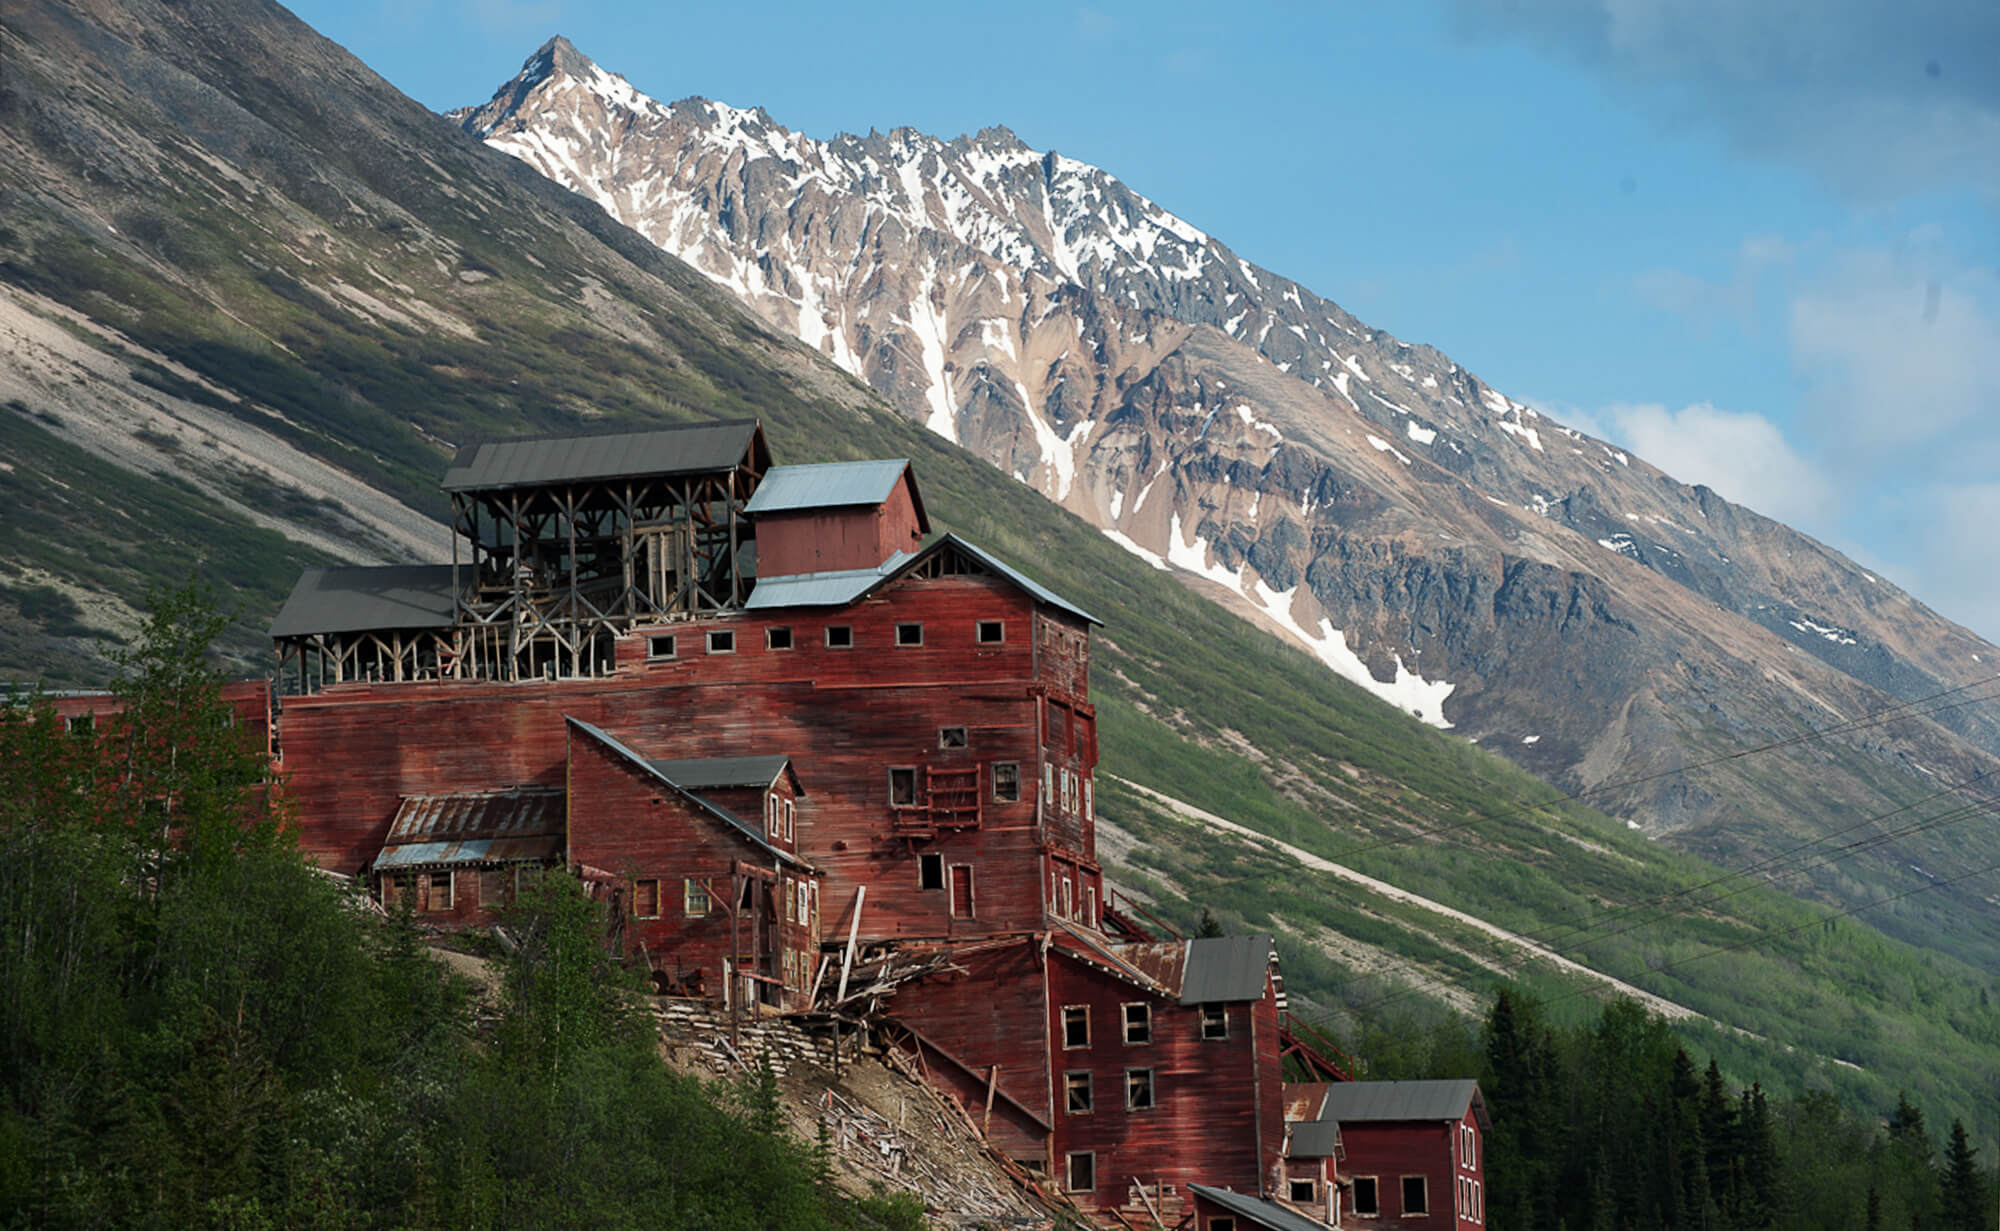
[1421, 533]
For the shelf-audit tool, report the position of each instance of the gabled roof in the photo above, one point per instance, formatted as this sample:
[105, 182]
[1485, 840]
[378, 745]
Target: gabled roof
[499, 826]
[357, 599]
[838, 589]
[1261, 1213]
[1226, 968]
[717, 773]
[748, 832]
[686, 449]
[1362, 1102]
[1314, 1139]
[833, 485]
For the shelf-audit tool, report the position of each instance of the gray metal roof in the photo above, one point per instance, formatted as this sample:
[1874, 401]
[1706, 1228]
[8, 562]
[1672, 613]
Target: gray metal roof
[834, 589]
[1262, 1213]
[714, 773]
[1314, 1139]
[832, 485]
[1226, 968]
[1357, 1102]
[357, 599]
[746, 830]
[688, 449]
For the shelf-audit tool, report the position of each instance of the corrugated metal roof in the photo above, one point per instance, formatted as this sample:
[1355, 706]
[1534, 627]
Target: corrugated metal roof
[1162, 961]
[688, 449]
[1304, 1099]
[835, 589]
[713, 773]
[1314, 1139]
[831, 485]
[748, 831]
[1357, 1102]
[356, 599]
[1223, 968]
[520, 823]
[1107, 957]
[1267, 1214]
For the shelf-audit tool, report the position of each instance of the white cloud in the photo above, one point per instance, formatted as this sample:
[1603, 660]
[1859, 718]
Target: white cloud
[1955, 562]
[1744, 457]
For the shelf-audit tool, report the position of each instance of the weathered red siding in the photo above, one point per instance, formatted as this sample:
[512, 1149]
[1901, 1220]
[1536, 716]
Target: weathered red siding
[830, 540]
[1390, 1151]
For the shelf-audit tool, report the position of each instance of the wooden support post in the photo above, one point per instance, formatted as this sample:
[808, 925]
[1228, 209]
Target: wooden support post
[847, 959]
[992, 1086]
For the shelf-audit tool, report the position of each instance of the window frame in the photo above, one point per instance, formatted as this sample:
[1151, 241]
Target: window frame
[1083, 1018]
[999, 636]
[429, 891]
[1145, 1023]
[637, 881]
[1146, 1082]
[1292, 1184]
[1014, 769]
[1079, 1081]
[925, 864]
[909, 635]
[1374, 1184]
[911, 801]
[1423, 1191]
[1214, 1012]
[693, 891]
[791, 821]
[1089, 1160]
[945, 735]
[845, 633]
[773, 633]
[653, 643]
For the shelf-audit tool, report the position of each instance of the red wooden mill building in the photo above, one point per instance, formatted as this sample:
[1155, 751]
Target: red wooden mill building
[819, 758]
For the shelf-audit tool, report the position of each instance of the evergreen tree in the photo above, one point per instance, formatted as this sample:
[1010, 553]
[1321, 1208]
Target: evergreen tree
[1961, 1189]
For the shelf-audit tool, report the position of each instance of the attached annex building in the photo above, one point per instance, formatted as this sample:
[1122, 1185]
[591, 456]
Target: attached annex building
[815, 755]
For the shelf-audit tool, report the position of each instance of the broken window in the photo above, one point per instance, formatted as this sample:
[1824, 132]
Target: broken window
[1139, 1089]
[1215, 1021]
[1077, 1093]
[778, 638]
[930, 871]
[660, 645]
[646, 899]
[694, 897]
[791, 819]
[1080, 1173]
[1090, 905]
[1087, 803]
[1416, 1195]
[1366, 1200]
[1006, 782]
[721, 641]
[1068, 907]
[1223, 1223]
[1076, 1025]
[909, 634]
[81, 725]
[903, 787]
[399, 888]
[1138, 1023]
[991, 632]
[436, 890]
[951, 737]
[1302, 1191]
[839, 636]
[1049, 784]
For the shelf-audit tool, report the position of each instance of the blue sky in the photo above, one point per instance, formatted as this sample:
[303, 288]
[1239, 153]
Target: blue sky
[1755, 241]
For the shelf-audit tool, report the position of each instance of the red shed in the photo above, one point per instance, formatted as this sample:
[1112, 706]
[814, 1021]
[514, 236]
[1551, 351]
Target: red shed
[1412, 1152]
[836, 516]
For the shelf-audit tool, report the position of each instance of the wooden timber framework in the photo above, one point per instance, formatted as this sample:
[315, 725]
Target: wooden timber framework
[309, 663]
[556, 572]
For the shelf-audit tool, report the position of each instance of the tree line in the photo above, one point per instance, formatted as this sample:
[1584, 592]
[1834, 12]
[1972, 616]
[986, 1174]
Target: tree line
[202, 1030]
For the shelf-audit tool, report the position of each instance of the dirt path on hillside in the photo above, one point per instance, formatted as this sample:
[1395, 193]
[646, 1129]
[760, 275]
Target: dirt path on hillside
[1658, 1004]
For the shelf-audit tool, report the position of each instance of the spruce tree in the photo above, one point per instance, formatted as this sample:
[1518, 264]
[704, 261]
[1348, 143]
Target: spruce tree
[1961, 1189]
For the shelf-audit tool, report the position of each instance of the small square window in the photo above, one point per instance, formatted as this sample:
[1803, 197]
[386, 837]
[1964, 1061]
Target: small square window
[721, 641]
[902, 787]
[839, 636]
[1367, 1201]
[1080, 1173]
[81, 725]
[1076, 1025]
[660, 645]
[1215, 1021]
[951, 737]
[1222, 1223]
[1139, 1090]
[1302, 1191]
[1416, 1195]
[646, 899]
[778, 638]
[1077, 1093]
[992, 632]
[930, 871]
[1138, 1023]
[694, 897]
[1006, 782]
[909, 634]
